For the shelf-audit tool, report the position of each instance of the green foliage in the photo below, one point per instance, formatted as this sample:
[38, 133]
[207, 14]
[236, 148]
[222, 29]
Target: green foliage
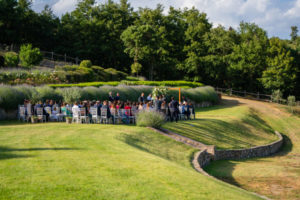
[136, 68]
[178, 45]
[70, 95]
[182, 84]
[150, 119]
[30, 56]
[291, 100]
[158, 91]
[277, 96]
[11, 59]
[280, 73]
[11, 96]
[86, 63]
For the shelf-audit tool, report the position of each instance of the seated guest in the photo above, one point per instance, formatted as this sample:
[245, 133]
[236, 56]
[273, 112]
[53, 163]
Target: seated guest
[65, 111]
[106, 106]
[141, 106]
[117, 98]
[54, 114]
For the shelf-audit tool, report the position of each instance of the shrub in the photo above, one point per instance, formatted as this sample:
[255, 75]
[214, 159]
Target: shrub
[70, 95]
[86, 63]
[10, 98]
[277, 96]
[150, 119]
[291, 103]
[11, 59]
[30, 56]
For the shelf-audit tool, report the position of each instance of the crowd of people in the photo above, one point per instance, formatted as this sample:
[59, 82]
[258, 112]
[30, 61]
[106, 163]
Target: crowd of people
[109, 109]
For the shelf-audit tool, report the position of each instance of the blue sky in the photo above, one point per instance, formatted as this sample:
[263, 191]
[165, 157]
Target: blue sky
[275, 16]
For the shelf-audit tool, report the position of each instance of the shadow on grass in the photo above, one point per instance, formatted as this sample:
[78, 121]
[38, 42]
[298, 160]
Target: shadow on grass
[5, 152]
[286, 147]
[222, 170]
[160, 146]
[225, 103]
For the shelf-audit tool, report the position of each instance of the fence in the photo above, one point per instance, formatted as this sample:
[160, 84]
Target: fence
[51, 59]
[250, 95]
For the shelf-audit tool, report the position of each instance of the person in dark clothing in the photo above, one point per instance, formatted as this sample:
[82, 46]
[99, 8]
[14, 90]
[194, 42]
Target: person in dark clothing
[117, 98]
[174, 109]
[141, 98]
[110, 97]
[106, 106]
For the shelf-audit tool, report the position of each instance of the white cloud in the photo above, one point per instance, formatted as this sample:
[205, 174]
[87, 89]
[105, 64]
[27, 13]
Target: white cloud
[276, 16]
[294, 11]
[63, 6]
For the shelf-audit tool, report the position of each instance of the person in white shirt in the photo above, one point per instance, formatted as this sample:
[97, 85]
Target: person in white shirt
[149, 97]
[75, 109]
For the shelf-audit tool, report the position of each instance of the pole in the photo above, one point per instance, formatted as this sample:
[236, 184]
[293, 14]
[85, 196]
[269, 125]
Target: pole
[179, 95]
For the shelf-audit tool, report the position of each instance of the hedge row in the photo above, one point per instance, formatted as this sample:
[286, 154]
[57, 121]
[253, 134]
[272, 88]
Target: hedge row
[64, 74]
[182, 84]
[12, 96]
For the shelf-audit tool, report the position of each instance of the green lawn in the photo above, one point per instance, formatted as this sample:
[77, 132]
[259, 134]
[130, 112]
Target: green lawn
[277, 177]
[227, 126]
[60, 161]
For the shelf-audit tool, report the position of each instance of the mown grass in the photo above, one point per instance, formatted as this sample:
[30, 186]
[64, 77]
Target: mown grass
[277, 177]
[226, 127]
[60, 161]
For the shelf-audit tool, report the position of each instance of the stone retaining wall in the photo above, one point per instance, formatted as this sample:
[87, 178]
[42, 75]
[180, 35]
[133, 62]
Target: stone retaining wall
[258, 151]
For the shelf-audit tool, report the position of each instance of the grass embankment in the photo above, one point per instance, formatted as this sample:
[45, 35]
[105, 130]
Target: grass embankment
[59, 161]
[277, 177]
[227, 126]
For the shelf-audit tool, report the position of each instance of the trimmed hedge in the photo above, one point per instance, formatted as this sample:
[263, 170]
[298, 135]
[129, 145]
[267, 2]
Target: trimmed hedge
[12, 96]
[181, 84]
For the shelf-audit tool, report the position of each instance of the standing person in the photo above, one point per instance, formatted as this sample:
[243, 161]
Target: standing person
[117, 98]
[141, 98]
[75, 109]
[110, 97]
[149, 97]
[157, 104]
[174, 109]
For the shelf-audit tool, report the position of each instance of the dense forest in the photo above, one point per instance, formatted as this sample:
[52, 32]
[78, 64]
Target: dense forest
[181, 44]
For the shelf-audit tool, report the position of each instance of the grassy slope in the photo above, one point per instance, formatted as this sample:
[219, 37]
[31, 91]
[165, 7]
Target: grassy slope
[60, 161]
[278, 176]
[228, 126]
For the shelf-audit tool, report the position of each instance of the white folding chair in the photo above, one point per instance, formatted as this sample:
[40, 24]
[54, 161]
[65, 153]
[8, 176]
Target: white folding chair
[40, 114]
[103, 116]
[95, 116]
[83, 116]
[22, 115]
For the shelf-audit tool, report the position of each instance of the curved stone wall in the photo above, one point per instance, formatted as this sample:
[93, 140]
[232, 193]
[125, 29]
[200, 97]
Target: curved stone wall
[258, 151]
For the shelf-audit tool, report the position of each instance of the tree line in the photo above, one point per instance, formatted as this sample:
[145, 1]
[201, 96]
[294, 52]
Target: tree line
[181, 44]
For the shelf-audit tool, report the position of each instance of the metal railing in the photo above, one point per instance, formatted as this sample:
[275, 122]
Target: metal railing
[50, 59]
[250, 95]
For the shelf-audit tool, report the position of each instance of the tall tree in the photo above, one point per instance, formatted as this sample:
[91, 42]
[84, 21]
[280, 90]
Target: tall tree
[197, 27]
[281, 72]
[248, 59]
[294, 33]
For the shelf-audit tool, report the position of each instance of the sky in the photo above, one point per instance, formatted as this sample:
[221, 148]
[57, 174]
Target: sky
[274, 16]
